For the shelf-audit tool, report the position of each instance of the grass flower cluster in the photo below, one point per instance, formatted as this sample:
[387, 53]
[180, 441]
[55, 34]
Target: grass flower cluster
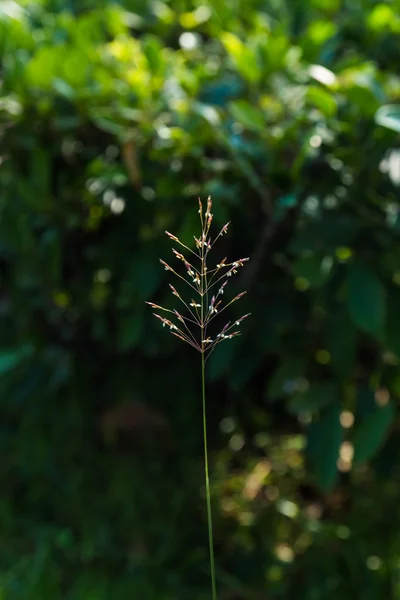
[207, 288]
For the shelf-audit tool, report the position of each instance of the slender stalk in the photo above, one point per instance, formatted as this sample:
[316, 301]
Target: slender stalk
[203, 289]
[208, 494]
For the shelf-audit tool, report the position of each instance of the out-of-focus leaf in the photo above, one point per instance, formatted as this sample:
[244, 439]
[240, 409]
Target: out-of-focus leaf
[209, 113]
[365, 402]
[220, 92]
[9, 359]
[314, 269]
[393, 325]
[153, 51]
[320, 31]
[366, 299]
[323, 75]
[364, 99]
[63, 88]
[322, 99]
[383, 17]
[129, 331]
[283, 205]
[325, 235]
[109, 125]
[389, 116]
[242, 56]
[324, 440]
[317, 397]
[221, 359]
[363, 89]
[341, 339]
[246, 114]
[249, 362]
[371, 433]
[285, 378]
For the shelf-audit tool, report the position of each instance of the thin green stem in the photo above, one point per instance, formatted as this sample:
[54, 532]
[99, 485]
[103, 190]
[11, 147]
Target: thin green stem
[203, 290]
[208, 494]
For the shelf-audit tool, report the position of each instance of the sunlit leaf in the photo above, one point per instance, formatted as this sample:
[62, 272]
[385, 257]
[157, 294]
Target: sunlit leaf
[389, 116]
[246, 114]
[242, 56]
[382, 17]
[320, 31]
[322, 99]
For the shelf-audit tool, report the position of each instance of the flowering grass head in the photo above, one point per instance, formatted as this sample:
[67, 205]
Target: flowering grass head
[207, 287]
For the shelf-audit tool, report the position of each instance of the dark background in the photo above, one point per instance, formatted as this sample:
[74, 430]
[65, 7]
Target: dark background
[114, 118]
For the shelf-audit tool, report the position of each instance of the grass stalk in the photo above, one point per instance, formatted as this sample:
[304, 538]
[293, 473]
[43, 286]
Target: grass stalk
[198, 281]
[207, 478]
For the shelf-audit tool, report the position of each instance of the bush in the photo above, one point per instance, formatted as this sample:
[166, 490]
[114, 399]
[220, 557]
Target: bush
[114, 118]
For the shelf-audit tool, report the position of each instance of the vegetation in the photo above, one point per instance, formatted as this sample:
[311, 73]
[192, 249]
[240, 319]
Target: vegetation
[207, 284]
[115, 117]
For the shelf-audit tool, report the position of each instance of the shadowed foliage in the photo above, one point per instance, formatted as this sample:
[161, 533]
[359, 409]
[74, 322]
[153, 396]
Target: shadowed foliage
[114, 118]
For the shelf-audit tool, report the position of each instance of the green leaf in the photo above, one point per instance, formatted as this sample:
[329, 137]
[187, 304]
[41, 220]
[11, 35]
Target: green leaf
[63, 88]
[318, 396]
[372, 432]
[42, 67]
[221, 359]
[315, 269]
[383, 17]
[9, 359]
[248, 362]
[282, 382]
[109, 125]
[283, 205]
[324, 439]
[153, 51]
[326, 5]
[321, 31]
[393, 325]
[363, 98]
[363, 89]
[40, 171]
[67, 122]
[248, 115]
[243, 58]
[366, 299]
[365, 402]
[129, 331]
[322, 99]
[144, 276]
[341, 340]
[389, 116]
[74, 67]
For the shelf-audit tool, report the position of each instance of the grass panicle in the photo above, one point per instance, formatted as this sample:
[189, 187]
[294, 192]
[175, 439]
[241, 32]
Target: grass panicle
[207, 287]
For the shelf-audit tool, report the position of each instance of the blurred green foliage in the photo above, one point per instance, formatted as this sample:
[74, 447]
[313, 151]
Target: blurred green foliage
[114, 117]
